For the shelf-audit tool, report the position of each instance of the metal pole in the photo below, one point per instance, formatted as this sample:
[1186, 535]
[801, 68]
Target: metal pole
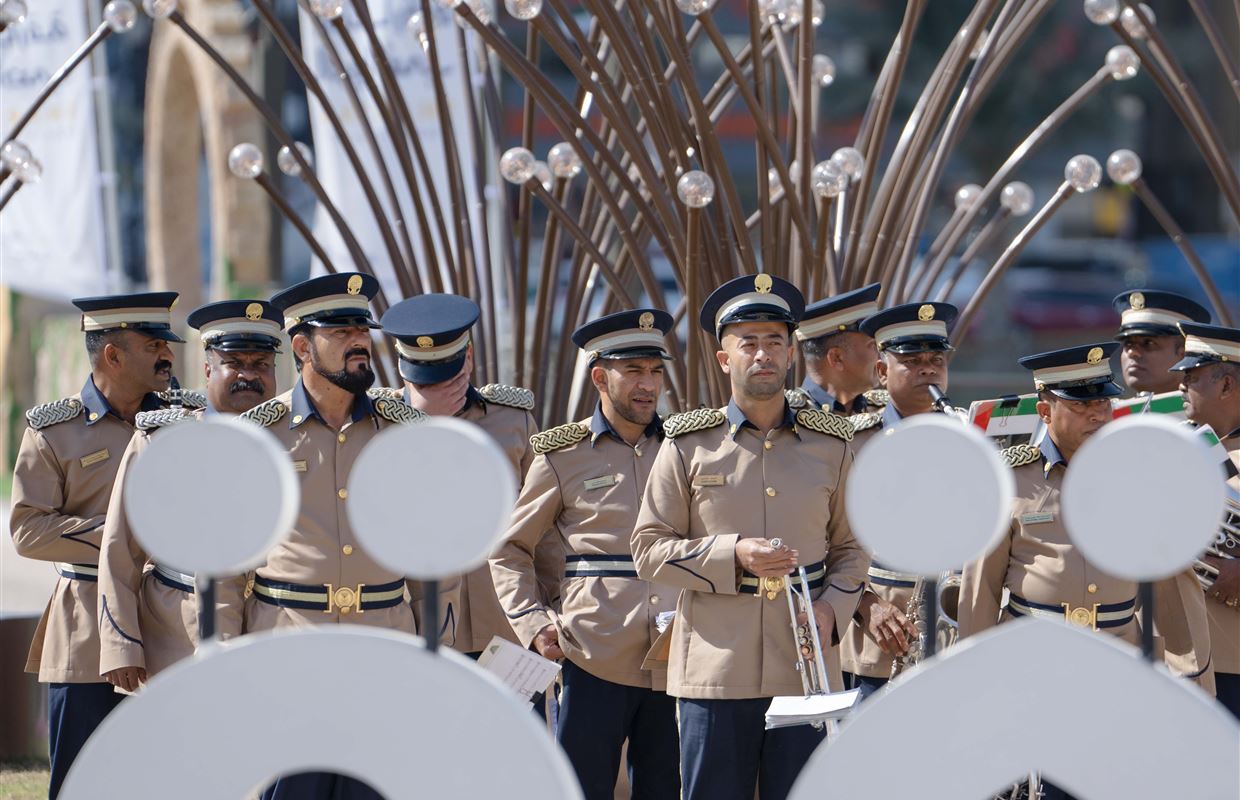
[430, 620]
[930, 612]
[107, 156]
[204, 592]
[1145, 596]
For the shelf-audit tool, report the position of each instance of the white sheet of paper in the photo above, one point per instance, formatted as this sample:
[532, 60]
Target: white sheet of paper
[524, 671]
[787, 711]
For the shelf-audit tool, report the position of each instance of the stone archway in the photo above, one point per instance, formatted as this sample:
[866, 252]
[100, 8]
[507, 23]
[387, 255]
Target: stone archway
[192, 107]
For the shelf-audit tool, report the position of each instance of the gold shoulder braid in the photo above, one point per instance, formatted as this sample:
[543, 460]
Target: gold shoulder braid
[266, 414]
[863, 422]
[1020, 455]
[797, 398]
[877, 397]
[395, 410]
[699, 419]
[558, 437]
[150, 420]
[504, 395]
[189, 398]
[48, 414]
[384, 393]
[825, 422]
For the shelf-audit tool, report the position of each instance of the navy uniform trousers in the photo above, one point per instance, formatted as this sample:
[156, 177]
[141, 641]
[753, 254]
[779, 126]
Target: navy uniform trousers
[725, 750]
[74, 710]
[866, 684]
[597, 716]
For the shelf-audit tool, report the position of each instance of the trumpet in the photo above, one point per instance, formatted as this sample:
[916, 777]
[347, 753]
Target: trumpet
[806, 637]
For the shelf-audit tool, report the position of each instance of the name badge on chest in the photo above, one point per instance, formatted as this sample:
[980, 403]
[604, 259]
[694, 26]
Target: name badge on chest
[707, 480]
[299, 465]
[600, 482]
[95, 458]
[1037, 518]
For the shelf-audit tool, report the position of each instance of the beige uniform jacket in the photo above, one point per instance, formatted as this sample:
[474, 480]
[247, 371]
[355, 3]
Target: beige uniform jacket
[62, 483]
[811, 395]
[504, 413]
[860, 654]
[716, 479]
[322, 551]
[151, 617]
[1047, 576]
[1224, 621]
[586, 485]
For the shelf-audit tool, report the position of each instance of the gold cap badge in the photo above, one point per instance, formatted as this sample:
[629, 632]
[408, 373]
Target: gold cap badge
[925, 313]
[254, 311]
[1095, 356]
[762, 283]
[1137, 301]
[355, 284]
[646, 321]
[425, 341]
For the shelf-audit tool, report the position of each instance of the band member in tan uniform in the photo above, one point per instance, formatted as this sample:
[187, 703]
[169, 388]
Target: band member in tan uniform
[62, 482]
[152, 619]
[585, 486]
[726, 482]
[1210, 382]
[1150, 339]
[841, 362]
[1044, 573]
[319, 574]
[916, 351]
[433, 340]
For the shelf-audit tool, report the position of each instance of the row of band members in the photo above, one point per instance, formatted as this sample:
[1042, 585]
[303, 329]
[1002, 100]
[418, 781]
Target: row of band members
[622, 517]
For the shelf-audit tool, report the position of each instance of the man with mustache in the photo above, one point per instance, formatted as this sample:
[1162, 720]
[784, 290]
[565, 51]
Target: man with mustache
[62, 482]
[1044, 574]
[1150, 339]
[725, 484]
[319, 574]
[434, 342]
[1210, 383]
[585, 485]
[149, 611]
[916, 348]
[841, 362]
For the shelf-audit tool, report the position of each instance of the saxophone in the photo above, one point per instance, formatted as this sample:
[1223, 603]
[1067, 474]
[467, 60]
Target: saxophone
[946, 629]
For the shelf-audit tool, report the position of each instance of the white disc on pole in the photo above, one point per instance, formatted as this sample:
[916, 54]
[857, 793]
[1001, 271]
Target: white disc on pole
[929, 495]
[431, 500]
[212, 496]
[1143, 498]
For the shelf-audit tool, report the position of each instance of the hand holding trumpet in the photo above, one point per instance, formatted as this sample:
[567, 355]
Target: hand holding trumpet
[765, 558]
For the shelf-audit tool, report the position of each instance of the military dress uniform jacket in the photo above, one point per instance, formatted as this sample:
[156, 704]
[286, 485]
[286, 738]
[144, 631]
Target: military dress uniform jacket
[811, 395]
[504, 412]
[860, 654]
[149, 615]
[1224, 621]
[1047, 576]
[62, 483]
[319, 573]
[717, 479]
[586, 485]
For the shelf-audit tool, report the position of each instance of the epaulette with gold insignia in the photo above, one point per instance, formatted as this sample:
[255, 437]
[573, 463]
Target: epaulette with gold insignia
[385, 393]
[863, 422]
[48, 414]
[559, 437]
[826, 422]
[189, 398]
[877, 397]
[397, 410]
[504, 395]
[268, 413]
[699, 419]
[797, 398]
[150, 420]
[1020, 455]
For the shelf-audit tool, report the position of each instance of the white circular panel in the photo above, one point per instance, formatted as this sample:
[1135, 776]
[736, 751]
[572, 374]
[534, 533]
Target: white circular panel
[929, 495]
[212, 496]
[1143, 498]
[364, 702]
[431, 500]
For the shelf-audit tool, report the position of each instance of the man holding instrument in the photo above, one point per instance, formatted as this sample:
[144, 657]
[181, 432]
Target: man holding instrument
[725, 483]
